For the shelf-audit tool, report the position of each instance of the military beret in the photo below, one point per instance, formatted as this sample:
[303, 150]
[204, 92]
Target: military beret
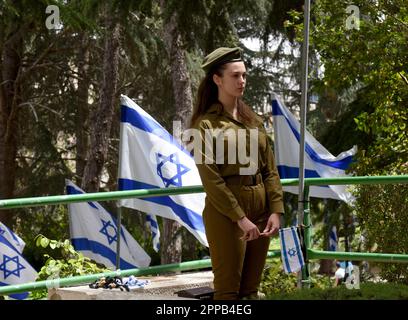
[221, 56]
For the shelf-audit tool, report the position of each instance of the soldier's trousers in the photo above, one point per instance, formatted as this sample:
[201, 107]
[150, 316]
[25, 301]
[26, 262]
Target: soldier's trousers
[237, 265]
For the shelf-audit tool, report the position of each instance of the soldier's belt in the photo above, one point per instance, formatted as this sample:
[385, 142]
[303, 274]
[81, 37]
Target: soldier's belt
[244, 180]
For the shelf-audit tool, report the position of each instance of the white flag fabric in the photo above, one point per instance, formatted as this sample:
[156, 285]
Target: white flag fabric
[14, 269]
[291, 252]
[94, 233]
[319, 162]
[150, 158]
[14, 239]
[152, 224]
[333, 239]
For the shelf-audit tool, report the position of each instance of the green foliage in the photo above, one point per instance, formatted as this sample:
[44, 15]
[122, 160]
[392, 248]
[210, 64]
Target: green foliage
[51, 221]
[370, 61]
[65, 262]
[276, 281]
[382, 211]
[367, 291]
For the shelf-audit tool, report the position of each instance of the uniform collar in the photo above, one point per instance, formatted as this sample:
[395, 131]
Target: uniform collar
[218, 109]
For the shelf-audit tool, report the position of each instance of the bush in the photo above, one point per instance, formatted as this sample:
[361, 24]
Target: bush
[276, 281]
[382, 211]
[69, 263]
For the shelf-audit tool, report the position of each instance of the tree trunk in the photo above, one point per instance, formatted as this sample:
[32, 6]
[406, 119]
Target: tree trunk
[183, 99]
[326, 267]
[82, 108]
[102, 117]
[9, 100]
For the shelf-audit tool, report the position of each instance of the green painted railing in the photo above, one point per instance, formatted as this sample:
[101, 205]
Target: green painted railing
[116, 195]
[86, 279]
[312, 254]
[358, 256]
[146, 193]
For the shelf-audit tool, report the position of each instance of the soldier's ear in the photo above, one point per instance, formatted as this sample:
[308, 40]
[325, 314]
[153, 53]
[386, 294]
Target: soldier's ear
[217, 79]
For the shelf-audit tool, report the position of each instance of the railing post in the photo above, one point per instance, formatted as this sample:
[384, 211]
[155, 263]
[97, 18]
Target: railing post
[118, 233]
[307, 238]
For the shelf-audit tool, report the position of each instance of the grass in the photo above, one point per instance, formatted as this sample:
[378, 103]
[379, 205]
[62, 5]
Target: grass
[367, 291]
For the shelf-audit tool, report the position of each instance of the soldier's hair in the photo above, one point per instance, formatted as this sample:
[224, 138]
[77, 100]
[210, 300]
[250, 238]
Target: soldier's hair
[207, 95]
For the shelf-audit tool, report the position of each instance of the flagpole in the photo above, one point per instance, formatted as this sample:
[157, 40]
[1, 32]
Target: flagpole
[119, 227]
[303, 110]
[118, 203]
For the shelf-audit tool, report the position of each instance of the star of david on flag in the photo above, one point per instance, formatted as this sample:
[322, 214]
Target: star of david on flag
[109, 230]
[170, 170]
[94, 233]
[291, 252]
[151, 158]
[11, 261]
[14, 269]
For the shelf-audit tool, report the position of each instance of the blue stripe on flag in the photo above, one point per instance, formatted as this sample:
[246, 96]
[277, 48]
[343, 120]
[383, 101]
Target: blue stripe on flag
[72, 190]
[286, 172]
[12, 234]
[82, 244]
[340, 164]
[297, 245]
[189, 217]
[7, 243]
[152, 222]
[285, 254]
[17, 296]
[134, 118]
[333, 239]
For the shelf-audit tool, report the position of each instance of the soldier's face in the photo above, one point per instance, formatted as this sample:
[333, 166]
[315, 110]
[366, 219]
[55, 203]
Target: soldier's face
[232, 80]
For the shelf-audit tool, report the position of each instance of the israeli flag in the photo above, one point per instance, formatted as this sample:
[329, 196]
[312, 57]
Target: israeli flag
[347, 266]
[333, 239]
[14, 269]
[14, 239]
[153, 225]
[151, 158]
[291, 251]
[319, 162]
[94, 233]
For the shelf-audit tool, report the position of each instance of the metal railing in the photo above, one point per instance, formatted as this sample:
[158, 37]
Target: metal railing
[198, 264]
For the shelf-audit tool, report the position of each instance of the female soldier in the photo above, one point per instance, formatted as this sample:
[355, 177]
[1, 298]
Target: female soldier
[241, 212]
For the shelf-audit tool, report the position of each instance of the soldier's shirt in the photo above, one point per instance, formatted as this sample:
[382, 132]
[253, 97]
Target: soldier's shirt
[213, 172]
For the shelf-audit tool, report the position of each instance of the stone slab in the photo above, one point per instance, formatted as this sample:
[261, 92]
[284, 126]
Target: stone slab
[161, 287]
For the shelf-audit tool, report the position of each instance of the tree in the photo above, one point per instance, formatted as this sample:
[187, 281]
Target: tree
[371, 57]
[62, 77]
[101, 119]
[365, 73]
[171, 252]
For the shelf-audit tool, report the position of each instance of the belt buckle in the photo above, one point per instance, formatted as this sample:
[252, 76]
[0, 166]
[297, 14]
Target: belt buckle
[254, 180]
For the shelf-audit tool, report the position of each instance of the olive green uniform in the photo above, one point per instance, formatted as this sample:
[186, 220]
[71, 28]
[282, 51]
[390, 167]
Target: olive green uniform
[237, 264]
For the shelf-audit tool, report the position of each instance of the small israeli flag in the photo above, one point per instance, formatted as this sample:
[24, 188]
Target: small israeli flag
[153, 225]
[14, 239]
[14, 269]
[150, 158]
[333, 239]
[291, 251]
